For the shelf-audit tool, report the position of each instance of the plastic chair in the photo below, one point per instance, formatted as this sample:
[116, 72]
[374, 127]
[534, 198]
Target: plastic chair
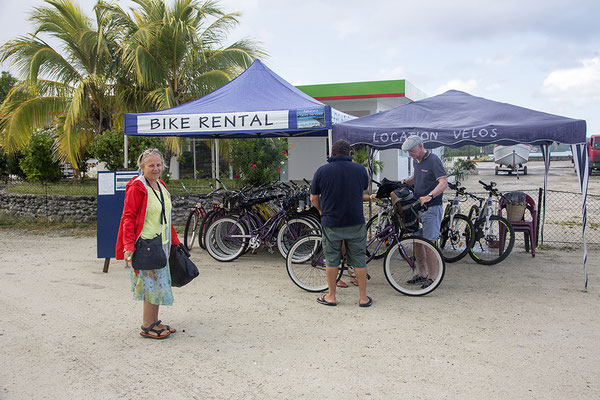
[528, 227]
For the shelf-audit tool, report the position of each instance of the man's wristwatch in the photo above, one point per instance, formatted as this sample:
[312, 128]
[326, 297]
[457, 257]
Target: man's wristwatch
[430, 195]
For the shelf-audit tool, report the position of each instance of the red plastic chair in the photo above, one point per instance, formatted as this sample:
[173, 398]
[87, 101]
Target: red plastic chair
[528, 227]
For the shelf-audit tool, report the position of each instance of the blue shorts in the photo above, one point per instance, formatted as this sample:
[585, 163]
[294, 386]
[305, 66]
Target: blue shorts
[431, 221]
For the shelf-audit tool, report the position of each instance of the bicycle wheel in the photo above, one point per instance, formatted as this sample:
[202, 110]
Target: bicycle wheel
[375, 225]
[414, 266]
[493, 242]
[206, 221]
[473, 212]
[305, 264]
[290, 232]
[225, 239]
[191, 229]
[456, 240]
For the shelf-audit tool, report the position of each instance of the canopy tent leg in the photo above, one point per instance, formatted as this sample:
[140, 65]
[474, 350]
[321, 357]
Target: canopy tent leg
[329, 142]
[125, 152]
[194, 153]
[217, 162]
[580, 158]
[546, 156]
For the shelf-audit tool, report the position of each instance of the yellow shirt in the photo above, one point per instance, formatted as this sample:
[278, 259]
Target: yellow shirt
[152, 221]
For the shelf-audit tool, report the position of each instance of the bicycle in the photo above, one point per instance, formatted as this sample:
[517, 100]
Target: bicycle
[196, 216]
[229, 237]
[494, 236]
[456, 230]
[305, 262]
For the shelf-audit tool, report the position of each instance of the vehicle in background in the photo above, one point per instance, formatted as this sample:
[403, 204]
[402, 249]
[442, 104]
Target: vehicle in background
[511, 158]
[593, 149]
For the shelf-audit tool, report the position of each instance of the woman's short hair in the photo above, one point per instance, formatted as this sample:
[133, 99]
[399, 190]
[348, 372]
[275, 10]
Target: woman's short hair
[340, 148]
[149, 152]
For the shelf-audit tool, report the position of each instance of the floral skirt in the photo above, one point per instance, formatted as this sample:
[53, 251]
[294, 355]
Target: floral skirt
[153, 285]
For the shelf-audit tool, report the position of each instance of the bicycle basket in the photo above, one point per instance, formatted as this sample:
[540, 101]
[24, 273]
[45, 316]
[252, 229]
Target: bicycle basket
[406, 209]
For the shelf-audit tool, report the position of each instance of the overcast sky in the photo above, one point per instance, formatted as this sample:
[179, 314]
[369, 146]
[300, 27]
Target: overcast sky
[540, 54]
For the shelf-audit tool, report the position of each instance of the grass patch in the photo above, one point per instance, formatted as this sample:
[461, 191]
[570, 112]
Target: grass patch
[43, 226]
[85, 188]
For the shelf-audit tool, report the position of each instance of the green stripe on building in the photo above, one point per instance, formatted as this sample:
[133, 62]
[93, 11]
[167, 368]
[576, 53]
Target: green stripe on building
[354, 88]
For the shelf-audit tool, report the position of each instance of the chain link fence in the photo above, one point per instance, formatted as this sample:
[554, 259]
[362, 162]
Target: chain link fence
[562, 226]
[563, 217]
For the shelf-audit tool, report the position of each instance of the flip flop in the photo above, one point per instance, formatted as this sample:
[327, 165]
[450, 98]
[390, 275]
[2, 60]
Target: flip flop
[341, 284]
[367, 304]
[321, 300]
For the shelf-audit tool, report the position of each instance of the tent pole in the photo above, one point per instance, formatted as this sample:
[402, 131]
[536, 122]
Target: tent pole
[194, 152]
[125, 152]
[329, 142]
[580, 158]
[217, 161]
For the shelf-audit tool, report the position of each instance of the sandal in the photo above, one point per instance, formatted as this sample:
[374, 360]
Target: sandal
[167, 327]
[159, 332]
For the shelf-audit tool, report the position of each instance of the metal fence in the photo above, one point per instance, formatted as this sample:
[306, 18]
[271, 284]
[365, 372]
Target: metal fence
[563, 221]
[562, 224]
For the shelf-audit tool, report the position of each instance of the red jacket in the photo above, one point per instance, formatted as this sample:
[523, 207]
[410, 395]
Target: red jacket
[134, 213]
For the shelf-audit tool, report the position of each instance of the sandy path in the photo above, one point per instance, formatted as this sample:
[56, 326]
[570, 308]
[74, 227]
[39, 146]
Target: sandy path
[520, 330]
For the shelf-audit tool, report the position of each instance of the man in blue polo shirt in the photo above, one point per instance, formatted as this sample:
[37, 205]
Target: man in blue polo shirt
[429, 181]
[337, 191]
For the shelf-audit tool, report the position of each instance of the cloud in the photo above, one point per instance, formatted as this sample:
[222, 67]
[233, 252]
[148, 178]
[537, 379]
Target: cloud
[457, 84]
[392, 73]
[580, 84]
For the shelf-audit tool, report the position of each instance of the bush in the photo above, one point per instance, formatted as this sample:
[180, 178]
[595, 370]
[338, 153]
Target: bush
[462, 167]
[38, 162]
[9, 165]
[108, 148]
[258, 160]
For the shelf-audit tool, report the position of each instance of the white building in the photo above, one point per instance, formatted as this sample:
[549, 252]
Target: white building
[358, 99]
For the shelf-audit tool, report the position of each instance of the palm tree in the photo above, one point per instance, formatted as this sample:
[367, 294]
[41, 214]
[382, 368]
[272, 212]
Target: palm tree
[176, 53]
[70, 89]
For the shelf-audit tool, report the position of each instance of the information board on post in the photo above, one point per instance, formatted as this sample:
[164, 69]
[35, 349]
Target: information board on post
[109, 206]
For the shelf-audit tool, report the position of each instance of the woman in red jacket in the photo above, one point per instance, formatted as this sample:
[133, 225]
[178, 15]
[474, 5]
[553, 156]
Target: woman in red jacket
[147, 213]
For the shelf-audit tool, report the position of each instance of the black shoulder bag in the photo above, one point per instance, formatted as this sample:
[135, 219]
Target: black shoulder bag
[149, 253]
[183, 270]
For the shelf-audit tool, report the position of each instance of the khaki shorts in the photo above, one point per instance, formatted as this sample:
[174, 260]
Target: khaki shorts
[355, 238]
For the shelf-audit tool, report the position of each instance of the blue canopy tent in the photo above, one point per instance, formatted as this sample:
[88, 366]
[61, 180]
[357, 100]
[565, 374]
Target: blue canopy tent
[257, 103]
[456, 119]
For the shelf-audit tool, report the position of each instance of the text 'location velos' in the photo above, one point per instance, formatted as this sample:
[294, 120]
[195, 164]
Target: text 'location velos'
[399, 137]
[243, 121]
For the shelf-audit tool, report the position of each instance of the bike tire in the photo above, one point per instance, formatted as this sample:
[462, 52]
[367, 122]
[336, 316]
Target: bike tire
[305, 264]
[291, 231]
[191, 229]
[372, 231]
[206, 221]
[480, 249]
[219, 245]
[456, 241]
[400, 267]
[473, 212]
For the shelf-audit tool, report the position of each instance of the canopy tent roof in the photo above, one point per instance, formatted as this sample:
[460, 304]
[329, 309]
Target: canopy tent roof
[457, 119]
[256, 103]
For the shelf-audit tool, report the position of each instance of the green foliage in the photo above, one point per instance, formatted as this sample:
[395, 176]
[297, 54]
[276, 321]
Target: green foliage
[258, 160]
[6, 83]
[9, 165]
[461, 167]
[360, 155]
[38, 163]
[108, 148]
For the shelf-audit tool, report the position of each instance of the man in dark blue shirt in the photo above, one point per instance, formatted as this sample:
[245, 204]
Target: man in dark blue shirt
[337, 191]
[429, 182]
